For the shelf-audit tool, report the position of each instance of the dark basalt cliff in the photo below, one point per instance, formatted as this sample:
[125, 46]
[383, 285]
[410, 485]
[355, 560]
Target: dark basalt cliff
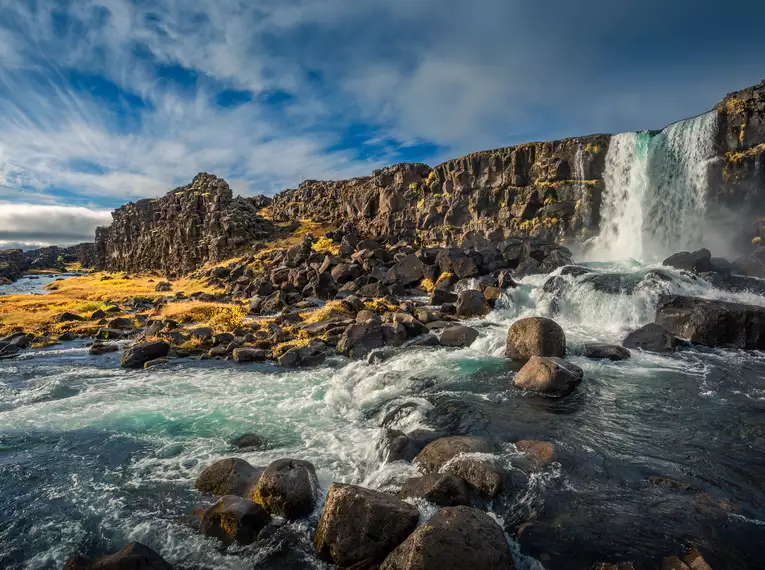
[551, 190]
[738, 180]
[192, 225]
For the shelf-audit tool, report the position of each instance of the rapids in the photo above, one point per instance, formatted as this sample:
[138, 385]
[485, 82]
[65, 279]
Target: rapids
[93, 456]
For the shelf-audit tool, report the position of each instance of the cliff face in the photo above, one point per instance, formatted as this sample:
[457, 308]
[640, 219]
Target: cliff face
[175, 234]
[550, 190]
[13, 264]
[739, 175]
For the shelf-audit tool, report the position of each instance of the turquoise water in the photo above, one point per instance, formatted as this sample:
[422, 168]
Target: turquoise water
[93, 456]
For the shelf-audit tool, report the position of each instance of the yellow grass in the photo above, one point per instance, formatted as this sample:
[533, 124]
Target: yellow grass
[220, 316]
[118, 288]
[331, 310]
[81, 296]
[427, 285]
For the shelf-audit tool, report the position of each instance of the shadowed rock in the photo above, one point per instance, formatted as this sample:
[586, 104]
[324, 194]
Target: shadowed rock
[455, 538]
[135, 556]
[287, 488]
[359, 527]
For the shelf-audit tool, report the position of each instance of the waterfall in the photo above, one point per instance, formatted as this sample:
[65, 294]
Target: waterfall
[655, 191]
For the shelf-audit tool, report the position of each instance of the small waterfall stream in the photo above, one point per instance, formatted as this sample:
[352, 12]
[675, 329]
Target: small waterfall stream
[656, 187]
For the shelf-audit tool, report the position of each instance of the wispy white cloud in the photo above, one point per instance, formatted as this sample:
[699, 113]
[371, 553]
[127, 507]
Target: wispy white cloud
[104, 101]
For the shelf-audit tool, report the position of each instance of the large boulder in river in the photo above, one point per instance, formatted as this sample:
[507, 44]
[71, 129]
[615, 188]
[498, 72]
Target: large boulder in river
[230, 476]
[652, 338]
[436, 454]
[698, 261]
[359, 527]
[548, 375]
[442, 489]
[472, 303]
[138, 354]
[535, 336]
[234, 520]
[135, 556]
[455, 538]
[713, 323]
[287, 488]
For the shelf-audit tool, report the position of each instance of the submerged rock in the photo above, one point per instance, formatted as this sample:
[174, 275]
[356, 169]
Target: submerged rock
[455, 538]
[598, 351]
[231, 476]
[551, 376]
[359, 527]
[713, 323]
[652, 338]
[135, 556]
[442, 489]
[540, 453]
[250, 441]
[140, 353]
[535, 336]
[234, 520]
[287, 488]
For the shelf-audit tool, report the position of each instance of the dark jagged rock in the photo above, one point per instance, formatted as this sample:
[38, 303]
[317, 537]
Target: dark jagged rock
[176, 234]
[698, 261]
[535, 336]
[360, 527]
[713, 323]
[287, 488]
[98, 348]
[360, 338]
[135, 556]
[455, 538]
[652, 338]
[548, 375]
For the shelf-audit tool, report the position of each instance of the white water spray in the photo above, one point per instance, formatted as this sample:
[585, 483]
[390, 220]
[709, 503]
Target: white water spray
[656, 190]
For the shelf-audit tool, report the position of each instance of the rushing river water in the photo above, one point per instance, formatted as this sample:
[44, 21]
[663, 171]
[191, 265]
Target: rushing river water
[93, 456]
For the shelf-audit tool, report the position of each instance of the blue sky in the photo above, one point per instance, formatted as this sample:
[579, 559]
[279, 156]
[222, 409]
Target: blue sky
[107, 101]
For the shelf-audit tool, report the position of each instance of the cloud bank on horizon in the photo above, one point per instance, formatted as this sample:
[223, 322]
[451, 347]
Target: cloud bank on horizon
[106, 101]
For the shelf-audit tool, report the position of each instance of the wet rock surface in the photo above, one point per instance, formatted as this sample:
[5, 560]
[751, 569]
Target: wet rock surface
[453, 539]
[359, 527]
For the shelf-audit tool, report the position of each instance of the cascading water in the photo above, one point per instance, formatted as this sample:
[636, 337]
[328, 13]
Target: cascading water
[656, 187]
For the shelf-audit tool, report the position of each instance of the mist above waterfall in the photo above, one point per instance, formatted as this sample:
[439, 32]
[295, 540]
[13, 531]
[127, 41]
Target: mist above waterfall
[656, 187]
